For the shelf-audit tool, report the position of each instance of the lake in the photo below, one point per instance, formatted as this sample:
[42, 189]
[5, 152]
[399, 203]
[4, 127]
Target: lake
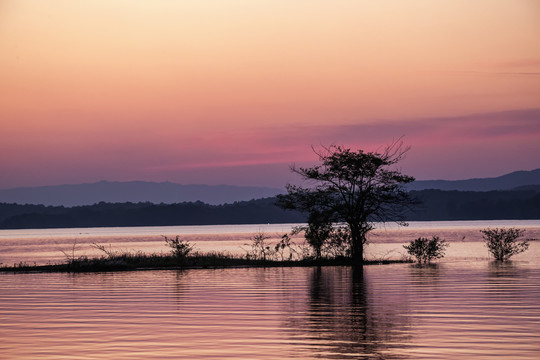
[466, 306]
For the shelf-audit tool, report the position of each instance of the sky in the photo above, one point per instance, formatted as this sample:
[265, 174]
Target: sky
[234, 92]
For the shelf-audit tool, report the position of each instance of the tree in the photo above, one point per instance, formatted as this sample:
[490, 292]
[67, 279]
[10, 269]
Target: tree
[353, 187]
[425, 249]
[502, 243]
[317, 231]
[323, 236]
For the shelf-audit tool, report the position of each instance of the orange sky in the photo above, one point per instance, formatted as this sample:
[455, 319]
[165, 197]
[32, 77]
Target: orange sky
[235, 91]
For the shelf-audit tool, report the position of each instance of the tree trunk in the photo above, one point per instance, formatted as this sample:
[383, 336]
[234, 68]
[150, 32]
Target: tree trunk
[357, 246]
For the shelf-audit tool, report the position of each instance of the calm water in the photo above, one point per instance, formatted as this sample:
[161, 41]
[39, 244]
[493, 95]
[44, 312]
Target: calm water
[469, 311]
[464, 307]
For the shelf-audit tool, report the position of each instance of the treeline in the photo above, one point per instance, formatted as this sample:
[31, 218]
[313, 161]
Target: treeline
[259, 211]
[519, 204]
[433, 205]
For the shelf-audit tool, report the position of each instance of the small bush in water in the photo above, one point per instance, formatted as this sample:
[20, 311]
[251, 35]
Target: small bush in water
[426, 250]
[502, 243]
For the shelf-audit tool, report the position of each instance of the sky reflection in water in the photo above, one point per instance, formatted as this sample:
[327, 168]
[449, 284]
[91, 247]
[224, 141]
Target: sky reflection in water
[467, 310]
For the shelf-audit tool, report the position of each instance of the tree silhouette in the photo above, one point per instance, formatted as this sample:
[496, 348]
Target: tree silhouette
[354, 187]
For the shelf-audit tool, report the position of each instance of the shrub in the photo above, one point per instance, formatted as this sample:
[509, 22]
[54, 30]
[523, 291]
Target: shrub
[316, 233]
[325, 239]
[502, 243]
[425, 249]
[284, 248]
[260, 248]
[179, 248]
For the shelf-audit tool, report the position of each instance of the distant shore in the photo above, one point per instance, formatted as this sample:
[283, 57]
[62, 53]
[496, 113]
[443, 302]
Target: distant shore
[436, 205]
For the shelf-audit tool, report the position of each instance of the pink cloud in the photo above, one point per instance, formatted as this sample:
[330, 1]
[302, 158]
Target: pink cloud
[444, 147]
[477, 145]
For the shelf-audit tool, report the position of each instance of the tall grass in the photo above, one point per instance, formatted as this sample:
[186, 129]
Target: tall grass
[183, 256]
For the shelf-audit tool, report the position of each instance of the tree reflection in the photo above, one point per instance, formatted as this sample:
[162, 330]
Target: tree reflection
[504, 269]
[347, 317]
[425, 276]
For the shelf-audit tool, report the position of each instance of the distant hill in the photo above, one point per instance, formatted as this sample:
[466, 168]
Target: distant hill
[133, 191]
[171, 193]
[505, 182]
[433, 205]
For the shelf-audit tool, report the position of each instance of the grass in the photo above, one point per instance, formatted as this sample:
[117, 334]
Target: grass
[182, 256]
[196, 260]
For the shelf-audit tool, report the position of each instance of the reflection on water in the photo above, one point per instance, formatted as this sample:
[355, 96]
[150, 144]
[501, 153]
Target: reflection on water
[457, 310]
[345, 318]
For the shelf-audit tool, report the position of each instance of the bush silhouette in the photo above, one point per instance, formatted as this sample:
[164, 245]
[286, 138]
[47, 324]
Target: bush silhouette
[425, 249]
[502, 243]
[180, 249]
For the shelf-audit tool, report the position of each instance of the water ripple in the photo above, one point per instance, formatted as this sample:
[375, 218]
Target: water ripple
[454, 310]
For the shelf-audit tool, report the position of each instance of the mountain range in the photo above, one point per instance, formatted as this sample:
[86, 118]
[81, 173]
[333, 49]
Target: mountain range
[505, 182]
[133, 191]
[169, 193]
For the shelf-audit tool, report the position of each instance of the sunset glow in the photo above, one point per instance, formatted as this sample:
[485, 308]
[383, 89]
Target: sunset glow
[233, 92]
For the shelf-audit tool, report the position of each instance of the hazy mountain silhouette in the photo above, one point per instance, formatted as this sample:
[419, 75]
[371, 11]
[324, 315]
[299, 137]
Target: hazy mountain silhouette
[505, 182]
[171, 193]
[133, 191]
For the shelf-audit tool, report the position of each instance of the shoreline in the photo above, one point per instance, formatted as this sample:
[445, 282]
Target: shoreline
[143, 262]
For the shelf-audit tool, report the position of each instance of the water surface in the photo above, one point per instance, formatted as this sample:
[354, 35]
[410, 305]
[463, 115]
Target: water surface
[466, 306]
[454, 310]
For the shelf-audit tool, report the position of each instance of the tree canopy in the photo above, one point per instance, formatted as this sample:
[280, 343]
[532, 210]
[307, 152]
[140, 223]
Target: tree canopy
[353, 187]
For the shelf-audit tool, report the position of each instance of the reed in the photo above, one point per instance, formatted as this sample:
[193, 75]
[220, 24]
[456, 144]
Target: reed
[129, 261]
